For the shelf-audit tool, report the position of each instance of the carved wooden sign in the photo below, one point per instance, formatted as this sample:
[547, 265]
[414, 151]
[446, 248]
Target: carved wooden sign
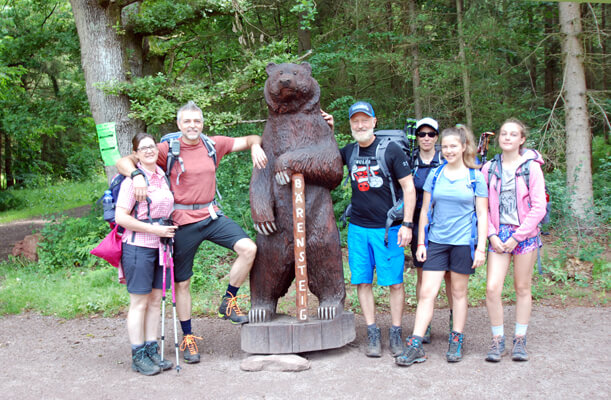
[299, 235]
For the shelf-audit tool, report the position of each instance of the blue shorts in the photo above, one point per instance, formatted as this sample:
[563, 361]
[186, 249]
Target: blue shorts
[366, 252]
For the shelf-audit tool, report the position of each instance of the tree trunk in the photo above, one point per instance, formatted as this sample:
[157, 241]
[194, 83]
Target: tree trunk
[578, 134]
[104, 60]
[550, 54]
[414, 55]
[463, 61]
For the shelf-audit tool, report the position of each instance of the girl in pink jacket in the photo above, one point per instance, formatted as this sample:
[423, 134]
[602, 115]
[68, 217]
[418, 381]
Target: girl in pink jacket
[515, 208]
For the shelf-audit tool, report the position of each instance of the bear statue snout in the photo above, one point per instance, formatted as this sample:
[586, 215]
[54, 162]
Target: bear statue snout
[286, 82]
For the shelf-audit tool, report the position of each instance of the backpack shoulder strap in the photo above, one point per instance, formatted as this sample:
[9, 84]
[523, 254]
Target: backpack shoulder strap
[350, 161]
[210, 146]
[525, 172]
[381, 160]
[494, 168]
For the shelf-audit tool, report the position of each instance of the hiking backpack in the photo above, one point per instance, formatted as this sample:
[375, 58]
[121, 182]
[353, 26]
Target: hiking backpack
[429, 214]
[495, 169]
[174, 155]
[395, 213]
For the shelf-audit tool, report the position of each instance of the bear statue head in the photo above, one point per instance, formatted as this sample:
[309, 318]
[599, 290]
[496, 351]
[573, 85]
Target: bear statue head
[290, 88]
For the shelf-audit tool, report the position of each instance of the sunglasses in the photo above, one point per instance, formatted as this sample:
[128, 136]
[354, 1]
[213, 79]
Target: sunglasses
[429, 134]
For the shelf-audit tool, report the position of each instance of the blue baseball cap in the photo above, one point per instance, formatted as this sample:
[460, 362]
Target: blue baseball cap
[361, 106]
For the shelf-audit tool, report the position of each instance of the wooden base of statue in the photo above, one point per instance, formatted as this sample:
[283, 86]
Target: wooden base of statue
[285, 334]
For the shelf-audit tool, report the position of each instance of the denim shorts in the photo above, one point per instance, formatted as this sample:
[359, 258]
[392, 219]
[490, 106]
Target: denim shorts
[526, 246]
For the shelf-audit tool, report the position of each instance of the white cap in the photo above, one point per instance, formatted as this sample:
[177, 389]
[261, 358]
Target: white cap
[428, 121]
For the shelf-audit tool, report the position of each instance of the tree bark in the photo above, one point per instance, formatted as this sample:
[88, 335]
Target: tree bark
[463, 61]
[578, 133]
[8, 172]
[550, 53]
[414, 56]
[104, 59]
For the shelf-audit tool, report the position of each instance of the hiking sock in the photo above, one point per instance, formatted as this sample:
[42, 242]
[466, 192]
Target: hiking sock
[395, 328]
[419, 338]
[521, 329]
[186, 327]
[149, 342]
[233, 290]
[498, 330]
[136, 347]
[372, 326]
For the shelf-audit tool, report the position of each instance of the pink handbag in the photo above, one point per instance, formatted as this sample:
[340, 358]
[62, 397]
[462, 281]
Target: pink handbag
[110, 247]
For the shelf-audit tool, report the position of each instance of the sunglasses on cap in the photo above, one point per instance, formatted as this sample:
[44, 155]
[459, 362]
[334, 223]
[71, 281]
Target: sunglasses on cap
[429, 134]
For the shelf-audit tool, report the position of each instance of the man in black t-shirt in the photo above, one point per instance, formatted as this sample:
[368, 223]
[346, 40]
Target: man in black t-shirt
[371, 200]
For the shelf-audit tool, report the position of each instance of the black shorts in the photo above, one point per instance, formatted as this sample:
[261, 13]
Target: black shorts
[142, 269]
[222, 231]
[448, 257]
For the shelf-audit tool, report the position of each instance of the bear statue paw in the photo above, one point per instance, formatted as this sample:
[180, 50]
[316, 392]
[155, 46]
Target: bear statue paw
[256, 315]
[329, 312]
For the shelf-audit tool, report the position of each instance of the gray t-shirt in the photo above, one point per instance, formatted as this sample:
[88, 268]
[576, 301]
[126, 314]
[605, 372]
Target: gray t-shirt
[508, 208]
[453, 207]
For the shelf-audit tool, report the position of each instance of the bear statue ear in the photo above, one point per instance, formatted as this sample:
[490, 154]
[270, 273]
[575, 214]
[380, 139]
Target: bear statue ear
[306, 66]
[270, 68]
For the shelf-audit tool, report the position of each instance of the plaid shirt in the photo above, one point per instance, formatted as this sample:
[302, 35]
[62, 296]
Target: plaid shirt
[162, 203]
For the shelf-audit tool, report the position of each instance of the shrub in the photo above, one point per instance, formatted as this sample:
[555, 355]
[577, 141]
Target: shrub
[8, 201]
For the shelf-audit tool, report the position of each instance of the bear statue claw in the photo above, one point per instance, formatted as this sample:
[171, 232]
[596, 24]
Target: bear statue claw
[256, 315]
[265, 228]
[282, 178]
[327, 312]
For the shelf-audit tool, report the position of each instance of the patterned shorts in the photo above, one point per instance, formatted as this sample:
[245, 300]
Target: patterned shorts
[526, 246]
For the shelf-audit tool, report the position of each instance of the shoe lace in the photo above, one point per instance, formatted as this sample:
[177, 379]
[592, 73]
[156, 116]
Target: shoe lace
[520, 344]
[232, 304]
[496, 343]
[188, 342]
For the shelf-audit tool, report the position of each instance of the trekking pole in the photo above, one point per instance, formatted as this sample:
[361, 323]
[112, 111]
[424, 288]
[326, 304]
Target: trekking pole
[165, 264]
[482, 146]
[171, 260]
[410, 132]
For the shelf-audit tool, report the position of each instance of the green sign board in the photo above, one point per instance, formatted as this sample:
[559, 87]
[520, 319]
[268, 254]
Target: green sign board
[107, 137]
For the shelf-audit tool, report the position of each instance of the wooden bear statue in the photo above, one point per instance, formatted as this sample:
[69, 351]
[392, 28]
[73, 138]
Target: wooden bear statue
[296, 139]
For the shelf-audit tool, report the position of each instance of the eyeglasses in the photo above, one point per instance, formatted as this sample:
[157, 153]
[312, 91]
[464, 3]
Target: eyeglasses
[429, 134]
[147, 148]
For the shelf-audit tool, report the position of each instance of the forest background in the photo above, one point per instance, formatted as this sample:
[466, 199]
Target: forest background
[66, 66]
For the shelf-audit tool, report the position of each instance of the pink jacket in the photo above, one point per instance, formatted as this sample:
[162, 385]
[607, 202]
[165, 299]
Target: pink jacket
[531, 204]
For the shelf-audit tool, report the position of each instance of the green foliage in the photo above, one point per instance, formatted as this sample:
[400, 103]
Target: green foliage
[67, 242]
[306, 9]
[8, 201]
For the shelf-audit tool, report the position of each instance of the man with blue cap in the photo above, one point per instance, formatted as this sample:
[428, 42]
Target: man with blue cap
[371, 199]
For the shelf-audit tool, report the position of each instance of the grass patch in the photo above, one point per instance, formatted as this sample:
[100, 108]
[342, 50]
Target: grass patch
[54, 199]
[65, 294]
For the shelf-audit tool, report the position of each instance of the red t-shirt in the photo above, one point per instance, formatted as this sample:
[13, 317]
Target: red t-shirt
[197, 184]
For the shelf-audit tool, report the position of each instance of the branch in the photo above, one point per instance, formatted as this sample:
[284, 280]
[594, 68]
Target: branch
[48, 16]
[600, 44]
[602, 110]
[252, 121]
[551, 114]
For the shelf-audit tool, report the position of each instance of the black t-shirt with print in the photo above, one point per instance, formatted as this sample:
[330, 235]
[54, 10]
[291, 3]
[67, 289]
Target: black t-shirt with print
[371, 195]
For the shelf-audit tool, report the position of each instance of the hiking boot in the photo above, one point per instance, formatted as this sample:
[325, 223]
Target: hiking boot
[189, 349]
[519, 353]
[427, 335]
[396, 342]
[230, 310]
[413, 352]
[455, 347]
[142, 363]
[152, 349]
[497, 349]
[374, 345]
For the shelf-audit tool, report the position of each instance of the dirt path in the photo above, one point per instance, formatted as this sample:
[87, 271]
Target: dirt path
[12, 232]
[44, 357]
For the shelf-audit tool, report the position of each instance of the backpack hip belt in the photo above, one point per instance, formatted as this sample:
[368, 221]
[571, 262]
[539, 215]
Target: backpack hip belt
[209, 206]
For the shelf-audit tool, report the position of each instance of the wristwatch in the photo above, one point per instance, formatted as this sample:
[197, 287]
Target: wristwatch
[409, 225]
[136, 172]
